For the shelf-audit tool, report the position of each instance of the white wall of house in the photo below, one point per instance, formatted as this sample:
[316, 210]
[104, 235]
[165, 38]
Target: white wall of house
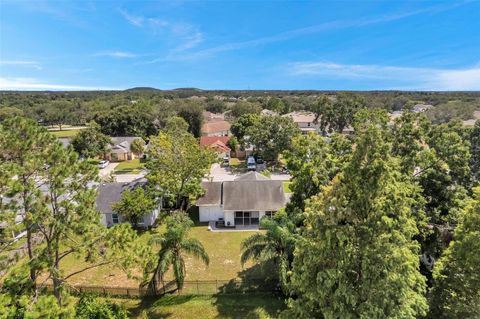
[218, 133]
[229, 218]
[208, 213]
[214, 213]
[308, 125]
[147, 220]
[108, 219]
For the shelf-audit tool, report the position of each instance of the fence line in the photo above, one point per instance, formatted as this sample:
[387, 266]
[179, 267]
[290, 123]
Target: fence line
[190, 287]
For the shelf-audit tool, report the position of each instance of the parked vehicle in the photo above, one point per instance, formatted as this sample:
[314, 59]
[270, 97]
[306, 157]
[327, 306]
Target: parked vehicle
[226, 161]
[260, 160]
[103, 164]
[251, 164]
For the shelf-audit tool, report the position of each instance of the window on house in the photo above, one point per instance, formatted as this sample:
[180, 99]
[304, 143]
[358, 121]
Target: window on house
[115, 218]
[270, 213]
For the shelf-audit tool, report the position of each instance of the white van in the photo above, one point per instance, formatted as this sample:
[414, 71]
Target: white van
[251, 164]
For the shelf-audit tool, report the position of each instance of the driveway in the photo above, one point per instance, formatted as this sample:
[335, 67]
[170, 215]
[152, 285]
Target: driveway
[105, 172]
[221, 174]
[127, 178]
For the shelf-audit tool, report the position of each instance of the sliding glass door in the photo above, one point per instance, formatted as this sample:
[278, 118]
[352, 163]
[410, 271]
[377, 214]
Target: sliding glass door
[246, 218]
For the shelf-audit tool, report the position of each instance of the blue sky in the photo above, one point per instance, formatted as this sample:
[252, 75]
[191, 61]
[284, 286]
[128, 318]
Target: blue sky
[357, 45]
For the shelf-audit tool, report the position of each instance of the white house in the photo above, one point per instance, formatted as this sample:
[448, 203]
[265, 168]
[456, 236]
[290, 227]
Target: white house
[241, 202]
[111, 193]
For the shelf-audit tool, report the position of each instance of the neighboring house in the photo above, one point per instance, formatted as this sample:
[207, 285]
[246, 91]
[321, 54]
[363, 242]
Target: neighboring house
[304, 120]
[119, 150]
[212, 117]
[267, 112]
[216, 128]
[218, 144]
[111, 193]
[418, 108]
[242, 202]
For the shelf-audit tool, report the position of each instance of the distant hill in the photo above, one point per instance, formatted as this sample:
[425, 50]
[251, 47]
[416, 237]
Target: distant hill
[188, 89]
[142, 88]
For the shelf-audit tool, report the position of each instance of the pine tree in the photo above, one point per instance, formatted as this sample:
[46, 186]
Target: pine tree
[456, 290]
[357, 258]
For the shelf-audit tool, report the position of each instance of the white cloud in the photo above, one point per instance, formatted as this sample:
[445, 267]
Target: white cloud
[187, 35]
[398, 77]
[35, 84]
[117, 54]
[32, 64]
[133, 20]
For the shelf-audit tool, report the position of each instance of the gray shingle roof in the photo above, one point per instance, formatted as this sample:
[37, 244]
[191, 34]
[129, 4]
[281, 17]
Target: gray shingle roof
[257, 195]
[111, 193]
[250, 192]
[212, 196]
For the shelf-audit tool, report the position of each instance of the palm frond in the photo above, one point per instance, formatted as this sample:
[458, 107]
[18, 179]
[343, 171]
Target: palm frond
[195, 248]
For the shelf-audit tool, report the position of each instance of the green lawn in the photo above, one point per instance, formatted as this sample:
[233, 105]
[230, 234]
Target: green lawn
[130, 167]
[286, 187]
[65, 133]
[203, 307]
[222, 248]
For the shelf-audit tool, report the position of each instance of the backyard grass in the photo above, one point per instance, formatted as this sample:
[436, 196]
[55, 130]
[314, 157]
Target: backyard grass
[223, 249]
[255, 306]
[65, 133]
[286, 187]
[130, 167]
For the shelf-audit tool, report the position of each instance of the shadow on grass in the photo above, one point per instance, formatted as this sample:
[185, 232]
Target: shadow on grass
[154, 307]
[256, 295]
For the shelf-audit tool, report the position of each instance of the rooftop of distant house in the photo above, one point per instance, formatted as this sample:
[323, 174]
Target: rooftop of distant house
[301, 116]
[217, 126]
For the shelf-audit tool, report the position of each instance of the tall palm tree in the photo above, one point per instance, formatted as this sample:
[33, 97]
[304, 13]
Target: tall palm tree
[276, 245]
[174, 244]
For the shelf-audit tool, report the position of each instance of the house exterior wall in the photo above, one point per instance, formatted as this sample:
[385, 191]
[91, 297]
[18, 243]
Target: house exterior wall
[218, 133]
[229, 217]
[119, 157]
[308, 125]
[147, 221]
[108, 219]
[208, 213]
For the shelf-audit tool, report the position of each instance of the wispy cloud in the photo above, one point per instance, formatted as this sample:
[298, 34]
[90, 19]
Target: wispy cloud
[314, 29]
[117, 54]
[35, 84]
[397, 77]
[32, 64]
[187, 35]
[133, 20]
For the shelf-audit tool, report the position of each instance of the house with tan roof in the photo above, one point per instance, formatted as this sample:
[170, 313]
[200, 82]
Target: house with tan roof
[119, 149]
[216, 128]
[305, 121]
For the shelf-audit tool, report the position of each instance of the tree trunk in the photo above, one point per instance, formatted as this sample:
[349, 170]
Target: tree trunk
[33, 274]
[57, 285]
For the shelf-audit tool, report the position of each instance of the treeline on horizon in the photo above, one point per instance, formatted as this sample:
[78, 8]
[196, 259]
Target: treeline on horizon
[143, 111]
